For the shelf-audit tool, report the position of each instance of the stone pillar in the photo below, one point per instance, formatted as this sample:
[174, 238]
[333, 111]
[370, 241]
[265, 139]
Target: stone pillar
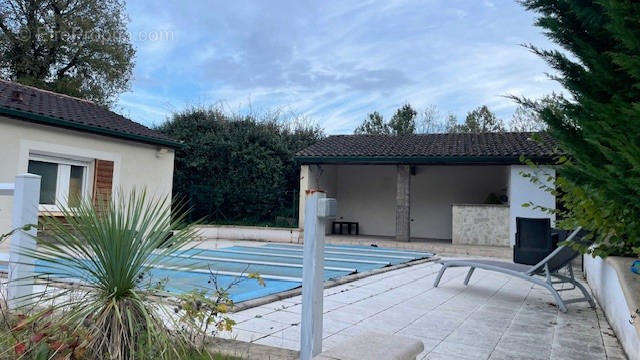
[305, 184]
[403, 203]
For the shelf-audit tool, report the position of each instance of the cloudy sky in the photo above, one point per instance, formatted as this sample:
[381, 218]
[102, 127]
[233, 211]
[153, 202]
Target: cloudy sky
[333, 61]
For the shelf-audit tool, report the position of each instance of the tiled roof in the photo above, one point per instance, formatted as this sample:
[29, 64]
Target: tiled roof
[431, 148]
[44, 106]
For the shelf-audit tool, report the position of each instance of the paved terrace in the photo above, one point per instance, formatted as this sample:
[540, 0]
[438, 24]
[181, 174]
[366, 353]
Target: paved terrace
[495, 317]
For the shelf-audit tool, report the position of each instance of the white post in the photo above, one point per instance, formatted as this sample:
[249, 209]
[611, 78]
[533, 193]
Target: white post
[317, 210]
[26, 197]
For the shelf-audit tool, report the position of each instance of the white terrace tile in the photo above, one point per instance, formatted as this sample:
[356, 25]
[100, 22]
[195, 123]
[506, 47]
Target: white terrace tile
[351, 296]
[334, 340]
[423, 303]
[329, 327]
[240, 317]
[382, 325]
[277, 305]
[284, 317]
[330, 305]
[379, 302]
[258, 310]
[297, 308]
[380, 286]
[419, 314]
[405, 292]
[241, 335]
[431, 327]
[340, 288]
[495, 317]
[294, 299]
[429, 345]
[261, 325]
[349, 315]
[463, 351]
[438, 333]
[394, 318]
[362, 309]
[477, 337]
[280, 342]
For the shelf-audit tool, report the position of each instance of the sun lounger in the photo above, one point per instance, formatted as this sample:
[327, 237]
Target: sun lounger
[541, 274]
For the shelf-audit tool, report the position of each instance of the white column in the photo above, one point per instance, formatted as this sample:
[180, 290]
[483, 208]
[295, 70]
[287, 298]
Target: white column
[318, 209]
[25, 212]
[522, 190]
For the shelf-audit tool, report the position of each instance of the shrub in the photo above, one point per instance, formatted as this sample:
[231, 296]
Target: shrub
[596, 123]
[238, 169]
[114, 314]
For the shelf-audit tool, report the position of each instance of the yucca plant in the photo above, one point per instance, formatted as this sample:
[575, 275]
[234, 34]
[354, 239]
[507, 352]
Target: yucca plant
[110, 248]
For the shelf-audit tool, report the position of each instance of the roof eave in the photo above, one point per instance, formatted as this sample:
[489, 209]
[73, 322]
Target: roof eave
[53, 121]
[422, 160]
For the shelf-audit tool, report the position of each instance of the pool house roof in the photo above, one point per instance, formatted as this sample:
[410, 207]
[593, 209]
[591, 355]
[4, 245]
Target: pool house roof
[486, 148]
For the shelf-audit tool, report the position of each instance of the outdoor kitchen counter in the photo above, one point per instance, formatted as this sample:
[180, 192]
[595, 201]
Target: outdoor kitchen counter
[480, 224]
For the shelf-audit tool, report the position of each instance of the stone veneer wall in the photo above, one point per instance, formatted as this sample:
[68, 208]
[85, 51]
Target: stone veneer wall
[479, 224]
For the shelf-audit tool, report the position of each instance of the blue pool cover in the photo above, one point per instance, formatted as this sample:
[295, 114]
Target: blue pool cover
[279, 265]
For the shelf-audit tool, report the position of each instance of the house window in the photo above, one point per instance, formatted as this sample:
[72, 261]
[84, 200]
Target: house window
[64, 181]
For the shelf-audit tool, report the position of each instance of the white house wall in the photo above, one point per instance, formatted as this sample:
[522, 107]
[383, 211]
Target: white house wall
[135, 164]
[367, 194]
[522, 190]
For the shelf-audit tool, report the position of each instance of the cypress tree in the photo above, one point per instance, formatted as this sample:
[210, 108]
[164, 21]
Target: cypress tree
[596, 124]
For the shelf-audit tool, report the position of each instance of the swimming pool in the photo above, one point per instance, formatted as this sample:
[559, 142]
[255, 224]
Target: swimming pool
[279, 265]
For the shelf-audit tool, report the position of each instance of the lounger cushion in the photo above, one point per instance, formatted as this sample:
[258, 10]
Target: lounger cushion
[501, 264]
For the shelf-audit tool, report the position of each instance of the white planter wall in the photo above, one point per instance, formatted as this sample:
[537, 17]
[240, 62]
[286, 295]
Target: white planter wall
[605, 285]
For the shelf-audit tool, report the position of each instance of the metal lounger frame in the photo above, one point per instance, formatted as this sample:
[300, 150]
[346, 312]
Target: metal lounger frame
[540, 269]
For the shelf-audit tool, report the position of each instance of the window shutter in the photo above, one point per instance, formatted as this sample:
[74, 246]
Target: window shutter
[102, 182]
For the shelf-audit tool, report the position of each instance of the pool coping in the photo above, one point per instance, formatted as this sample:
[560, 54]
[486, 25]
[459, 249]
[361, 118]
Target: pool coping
[248, 304]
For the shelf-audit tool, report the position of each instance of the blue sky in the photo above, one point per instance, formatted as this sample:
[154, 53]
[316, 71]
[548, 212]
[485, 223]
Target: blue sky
[332, 61]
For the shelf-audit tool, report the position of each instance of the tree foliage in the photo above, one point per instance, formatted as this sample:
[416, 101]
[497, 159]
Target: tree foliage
[525, 119]
[79, 48]
[479, 120]
[238, 168]
[406, 120]
[597, 126]
[374, 125]
[403, 121]
[429, 121]
[451, 123]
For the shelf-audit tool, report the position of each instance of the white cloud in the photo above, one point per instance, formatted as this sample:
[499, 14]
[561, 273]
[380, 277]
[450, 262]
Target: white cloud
[335, 61]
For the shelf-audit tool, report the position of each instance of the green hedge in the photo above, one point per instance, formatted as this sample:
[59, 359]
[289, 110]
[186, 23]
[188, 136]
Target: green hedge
[239, 169]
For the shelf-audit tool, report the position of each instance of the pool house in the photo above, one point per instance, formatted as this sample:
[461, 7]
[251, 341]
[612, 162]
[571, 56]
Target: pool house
[455, 188]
